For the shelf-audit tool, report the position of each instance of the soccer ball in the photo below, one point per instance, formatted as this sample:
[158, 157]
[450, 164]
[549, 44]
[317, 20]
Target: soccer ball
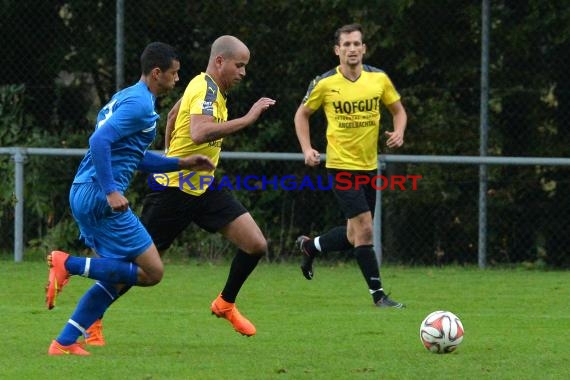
[441, 332]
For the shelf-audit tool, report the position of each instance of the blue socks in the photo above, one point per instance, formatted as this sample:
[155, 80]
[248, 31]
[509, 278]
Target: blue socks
[102, 269]
[91, 306]
[100, 296]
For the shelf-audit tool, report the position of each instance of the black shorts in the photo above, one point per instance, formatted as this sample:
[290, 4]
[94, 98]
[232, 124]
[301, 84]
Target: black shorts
[166, 213]
[353, 201]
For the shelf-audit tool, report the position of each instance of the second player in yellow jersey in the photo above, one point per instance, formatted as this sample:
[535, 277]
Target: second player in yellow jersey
[352, 109]
[351, 96]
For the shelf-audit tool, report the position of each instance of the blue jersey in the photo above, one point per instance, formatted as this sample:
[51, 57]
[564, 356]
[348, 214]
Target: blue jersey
[128, 123]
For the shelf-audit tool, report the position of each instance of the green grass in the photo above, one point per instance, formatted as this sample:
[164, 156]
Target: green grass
[517, 324]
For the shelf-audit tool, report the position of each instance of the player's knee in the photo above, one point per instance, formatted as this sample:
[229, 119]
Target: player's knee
[154, 277]
[364, 234]
[259, 247]
[153, 280]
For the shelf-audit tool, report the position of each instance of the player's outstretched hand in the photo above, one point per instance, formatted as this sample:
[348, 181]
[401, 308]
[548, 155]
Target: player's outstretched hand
[260, 106]
[197, 162]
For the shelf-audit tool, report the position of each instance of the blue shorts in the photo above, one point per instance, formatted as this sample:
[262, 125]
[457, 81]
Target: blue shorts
[116, 235]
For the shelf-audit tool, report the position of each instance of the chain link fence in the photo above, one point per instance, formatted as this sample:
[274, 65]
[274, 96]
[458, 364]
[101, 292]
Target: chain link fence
[60, 66]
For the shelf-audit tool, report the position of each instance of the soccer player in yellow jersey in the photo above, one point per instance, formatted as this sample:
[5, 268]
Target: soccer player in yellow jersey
[201, 125]
[351, 95]
[198, 122]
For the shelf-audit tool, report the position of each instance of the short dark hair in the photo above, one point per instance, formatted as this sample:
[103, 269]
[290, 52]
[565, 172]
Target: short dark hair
[157, 54]
[347, 29]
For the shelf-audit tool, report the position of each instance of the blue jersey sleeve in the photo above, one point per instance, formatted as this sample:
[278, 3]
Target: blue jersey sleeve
[154, 163]
[100, 145]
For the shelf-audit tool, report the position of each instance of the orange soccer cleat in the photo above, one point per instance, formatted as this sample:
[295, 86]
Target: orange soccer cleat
[73, 349]
[95, 334]
[58, 276]
[229, 311]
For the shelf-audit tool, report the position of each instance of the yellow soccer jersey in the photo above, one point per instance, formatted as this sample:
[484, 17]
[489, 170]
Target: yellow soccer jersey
[201, 97]
[353, 115]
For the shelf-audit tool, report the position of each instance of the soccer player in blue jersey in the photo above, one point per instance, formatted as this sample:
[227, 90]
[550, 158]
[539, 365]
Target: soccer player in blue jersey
[125, 128]
[198, 123]
[351, 95]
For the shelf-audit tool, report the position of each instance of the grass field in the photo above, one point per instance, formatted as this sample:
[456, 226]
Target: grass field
[516, 323]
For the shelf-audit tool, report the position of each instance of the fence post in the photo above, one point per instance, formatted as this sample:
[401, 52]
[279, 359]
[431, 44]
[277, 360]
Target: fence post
[482, 244]
[120, 45]
[378, 219]
[19, 158]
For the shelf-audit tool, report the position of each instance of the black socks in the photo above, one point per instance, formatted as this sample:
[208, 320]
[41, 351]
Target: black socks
[334, 240]
[242, 266]
[366, 258]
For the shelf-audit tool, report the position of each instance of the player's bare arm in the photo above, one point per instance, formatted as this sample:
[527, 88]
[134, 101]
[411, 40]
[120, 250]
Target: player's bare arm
[204, 128]
[400, 119]
[172, 114]
[302, 128]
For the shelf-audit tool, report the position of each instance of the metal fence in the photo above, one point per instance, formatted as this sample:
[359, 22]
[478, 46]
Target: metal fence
[446, 248]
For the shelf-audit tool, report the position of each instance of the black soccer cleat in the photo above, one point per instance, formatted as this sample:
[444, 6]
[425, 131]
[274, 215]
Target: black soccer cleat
[307, 260]
[386, 301]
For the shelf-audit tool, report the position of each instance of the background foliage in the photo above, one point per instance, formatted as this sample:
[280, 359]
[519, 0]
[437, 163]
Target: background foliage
[59, 59]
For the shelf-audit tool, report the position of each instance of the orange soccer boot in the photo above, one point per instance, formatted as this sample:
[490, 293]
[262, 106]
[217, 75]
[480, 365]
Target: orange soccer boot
[229, 311]
[73, 349]
[95, 334]
[58, 276]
